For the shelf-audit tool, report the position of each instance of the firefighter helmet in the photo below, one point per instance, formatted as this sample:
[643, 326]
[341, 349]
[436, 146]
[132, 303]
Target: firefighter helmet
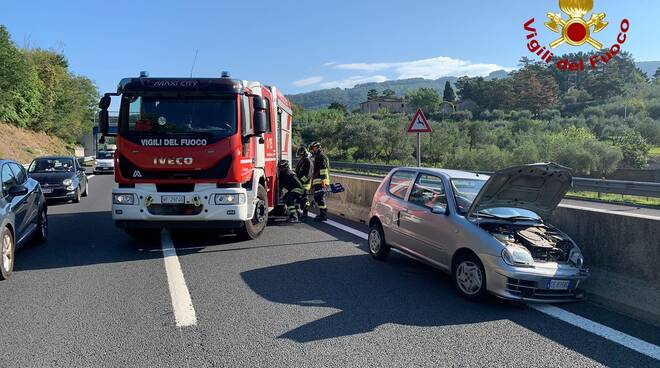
[302, 151]
[283, 164]
[315, 144]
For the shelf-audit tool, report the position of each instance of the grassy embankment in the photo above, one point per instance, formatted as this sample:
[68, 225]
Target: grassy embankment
[23, 145]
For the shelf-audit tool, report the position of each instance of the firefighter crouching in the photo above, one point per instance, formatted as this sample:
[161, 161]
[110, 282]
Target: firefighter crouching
[304, 172]
[320, 179]
[294, 189]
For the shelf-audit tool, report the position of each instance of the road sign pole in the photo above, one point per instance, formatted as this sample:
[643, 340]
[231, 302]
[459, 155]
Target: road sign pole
[419, 150]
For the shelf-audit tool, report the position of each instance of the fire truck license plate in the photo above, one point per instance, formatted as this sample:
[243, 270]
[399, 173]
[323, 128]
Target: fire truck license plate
[173, 199]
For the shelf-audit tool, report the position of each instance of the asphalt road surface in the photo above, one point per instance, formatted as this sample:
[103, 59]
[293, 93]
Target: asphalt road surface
[302, 295]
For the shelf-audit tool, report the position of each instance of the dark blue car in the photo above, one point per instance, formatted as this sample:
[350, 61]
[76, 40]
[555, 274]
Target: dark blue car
[23, 213]
[61, 177]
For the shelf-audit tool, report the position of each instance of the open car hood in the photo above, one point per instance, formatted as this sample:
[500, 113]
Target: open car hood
[536, 187]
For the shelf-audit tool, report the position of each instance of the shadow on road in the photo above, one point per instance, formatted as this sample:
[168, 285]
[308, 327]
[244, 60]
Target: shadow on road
[402, 291]
[81, 239]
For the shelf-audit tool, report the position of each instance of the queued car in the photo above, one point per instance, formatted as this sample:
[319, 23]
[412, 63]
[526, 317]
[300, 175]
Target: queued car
[61, 177]
[23, 213]
[104, 162]
[489, 232]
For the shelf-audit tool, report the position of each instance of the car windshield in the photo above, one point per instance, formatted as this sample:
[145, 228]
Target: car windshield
[104, 155]
[51, 165]
[165, 116]
[466, 191]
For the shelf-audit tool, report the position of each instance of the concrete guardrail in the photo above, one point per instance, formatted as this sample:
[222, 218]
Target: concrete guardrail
[621, 250]
[637, 188]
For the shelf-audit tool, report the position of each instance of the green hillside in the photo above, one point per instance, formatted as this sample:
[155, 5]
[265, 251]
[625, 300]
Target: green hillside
[351, 97]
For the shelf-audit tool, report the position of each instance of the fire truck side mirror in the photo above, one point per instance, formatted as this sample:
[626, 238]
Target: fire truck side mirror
[260, 121]
[104, 103]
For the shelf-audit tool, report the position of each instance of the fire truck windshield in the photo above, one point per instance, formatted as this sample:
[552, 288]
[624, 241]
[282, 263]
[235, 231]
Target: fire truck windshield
[165, 116]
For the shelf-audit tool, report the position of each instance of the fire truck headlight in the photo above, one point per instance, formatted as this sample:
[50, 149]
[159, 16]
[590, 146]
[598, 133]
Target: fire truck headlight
[127, 199]
[233, 198]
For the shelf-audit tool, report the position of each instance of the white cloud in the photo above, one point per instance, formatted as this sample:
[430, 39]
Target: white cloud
[432, 68]
[307, 81]
[329, 63]
[352, 81]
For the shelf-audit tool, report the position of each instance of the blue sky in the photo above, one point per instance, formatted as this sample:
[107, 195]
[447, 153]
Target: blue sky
[304, 45]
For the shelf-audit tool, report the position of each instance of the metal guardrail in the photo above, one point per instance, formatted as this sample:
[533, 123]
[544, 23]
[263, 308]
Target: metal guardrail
[636, 188]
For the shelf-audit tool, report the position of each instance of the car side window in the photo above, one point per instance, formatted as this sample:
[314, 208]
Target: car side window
[400, 182]
[19, 173]
[428, 191]
[7, 178]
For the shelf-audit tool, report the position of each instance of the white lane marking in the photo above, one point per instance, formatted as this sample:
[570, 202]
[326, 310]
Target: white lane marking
[610, 212]
[184, 312]
[611, 334]
[596, 328]
[347, 229]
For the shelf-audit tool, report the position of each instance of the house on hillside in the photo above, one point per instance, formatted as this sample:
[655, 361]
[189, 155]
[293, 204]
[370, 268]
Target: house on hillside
[392, 104]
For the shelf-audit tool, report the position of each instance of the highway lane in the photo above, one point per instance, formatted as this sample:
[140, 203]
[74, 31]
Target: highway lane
[301, 295]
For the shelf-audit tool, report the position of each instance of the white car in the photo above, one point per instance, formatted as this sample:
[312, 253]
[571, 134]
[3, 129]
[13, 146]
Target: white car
[104, 162]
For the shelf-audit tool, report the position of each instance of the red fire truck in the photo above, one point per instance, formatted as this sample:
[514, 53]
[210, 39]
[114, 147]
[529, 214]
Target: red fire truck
[197, 153]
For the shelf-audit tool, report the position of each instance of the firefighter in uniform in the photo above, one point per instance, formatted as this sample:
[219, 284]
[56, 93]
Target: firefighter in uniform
[303, 171]
[320, 179]
[289, 181]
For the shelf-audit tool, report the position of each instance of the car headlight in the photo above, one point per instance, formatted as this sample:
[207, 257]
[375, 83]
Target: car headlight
[123, 199]
[576, 258]
[96, 163]
[67, 182]
[517, 256]
[229, 198]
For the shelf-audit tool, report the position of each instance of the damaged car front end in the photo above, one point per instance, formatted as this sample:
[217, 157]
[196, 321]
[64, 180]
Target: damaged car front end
[537, 262]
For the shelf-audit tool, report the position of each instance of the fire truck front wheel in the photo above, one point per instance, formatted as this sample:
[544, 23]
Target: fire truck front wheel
[254, 227]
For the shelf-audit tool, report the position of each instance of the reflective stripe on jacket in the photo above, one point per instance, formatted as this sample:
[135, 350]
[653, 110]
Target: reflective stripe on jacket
[321, 169]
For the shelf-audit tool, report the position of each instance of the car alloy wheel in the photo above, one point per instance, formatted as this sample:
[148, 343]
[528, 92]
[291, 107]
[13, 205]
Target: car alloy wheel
[374, 241]
[469, 278]
[7, 253]
[44, 224]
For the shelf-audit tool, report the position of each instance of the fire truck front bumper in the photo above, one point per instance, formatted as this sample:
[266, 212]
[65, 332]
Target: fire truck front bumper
[207, 207]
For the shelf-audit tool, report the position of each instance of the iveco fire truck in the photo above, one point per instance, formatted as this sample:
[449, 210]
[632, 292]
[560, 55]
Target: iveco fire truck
[197, 153]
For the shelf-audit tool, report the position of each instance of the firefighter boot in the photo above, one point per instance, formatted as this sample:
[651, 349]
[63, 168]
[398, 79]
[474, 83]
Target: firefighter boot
[323, 215]
[293, 217]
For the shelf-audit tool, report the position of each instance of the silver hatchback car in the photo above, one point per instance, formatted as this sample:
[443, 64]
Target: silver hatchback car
[489, 233]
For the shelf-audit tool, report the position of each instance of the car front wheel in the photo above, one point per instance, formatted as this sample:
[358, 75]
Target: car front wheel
[378, 248]
[7, 257]
[41, 233]
[470, 278]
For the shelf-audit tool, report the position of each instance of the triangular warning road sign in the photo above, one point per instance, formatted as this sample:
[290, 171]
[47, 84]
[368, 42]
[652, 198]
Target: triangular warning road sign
[418, 124]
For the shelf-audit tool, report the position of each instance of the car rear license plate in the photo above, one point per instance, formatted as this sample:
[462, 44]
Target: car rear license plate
[173, 199]
[47, 190]
[558, 284]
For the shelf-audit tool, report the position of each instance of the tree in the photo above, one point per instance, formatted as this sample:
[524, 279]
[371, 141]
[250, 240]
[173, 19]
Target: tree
[396, 143]
[338, 106]
[426, 99]
[389, 93]
[372, 94]
[20, 87]
[448, 94]
[634, 147]
[656, 75]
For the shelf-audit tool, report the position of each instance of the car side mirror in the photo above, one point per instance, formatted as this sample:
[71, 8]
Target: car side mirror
[440, 210]
[104, 124]
[260, 119]
[17, 191]
[81, 169]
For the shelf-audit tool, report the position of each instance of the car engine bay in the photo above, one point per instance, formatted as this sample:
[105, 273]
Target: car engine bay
[544, 243]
